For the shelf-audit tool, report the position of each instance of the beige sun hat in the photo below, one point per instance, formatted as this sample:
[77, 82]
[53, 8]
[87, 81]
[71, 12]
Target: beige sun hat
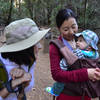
[21, 34]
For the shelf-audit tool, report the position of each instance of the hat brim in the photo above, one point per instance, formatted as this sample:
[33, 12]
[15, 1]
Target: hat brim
[35, 38]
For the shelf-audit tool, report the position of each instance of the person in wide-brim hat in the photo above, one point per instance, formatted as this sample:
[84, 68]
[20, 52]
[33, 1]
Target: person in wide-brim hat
[21, 34]
[19, 53]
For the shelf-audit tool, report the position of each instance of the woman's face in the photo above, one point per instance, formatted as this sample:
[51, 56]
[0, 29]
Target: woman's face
[69, 28]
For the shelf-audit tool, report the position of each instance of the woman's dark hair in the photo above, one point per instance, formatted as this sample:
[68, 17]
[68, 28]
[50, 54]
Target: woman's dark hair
[21, 57]
[64, 14]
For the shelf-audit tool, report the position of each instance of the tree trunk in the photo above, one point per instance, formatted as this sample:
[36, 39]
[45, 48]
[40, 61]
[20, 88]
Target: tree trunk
[10, 13]
[85, 13]
[30, 8]
[19, 7]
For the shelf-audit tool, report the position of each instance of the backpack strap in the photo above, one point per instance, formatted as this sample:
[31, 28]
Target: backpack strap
[58, 43]
[69, 56]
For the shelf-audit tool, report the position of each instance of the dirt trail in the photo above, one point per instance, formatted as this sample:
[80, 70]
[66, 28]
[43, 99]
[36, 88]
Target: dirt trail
[42, 78]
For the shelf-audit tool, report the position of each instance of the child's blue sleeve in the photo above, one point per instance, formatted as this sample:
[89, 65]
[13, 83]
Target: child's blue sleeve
[78, 53]
[88, 54]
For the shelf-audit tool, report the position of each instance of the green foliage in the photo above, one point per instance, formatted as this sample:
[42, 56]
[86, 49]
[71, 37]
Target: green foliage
[16, 12]
[92, 15]
[44, 11]
[20, 14]
[53, 14]
[4, 10]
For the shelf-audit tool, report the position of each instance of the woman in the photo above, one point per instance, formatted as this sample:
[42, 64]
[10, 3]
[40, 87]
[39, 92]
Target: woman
[19, 53]
[67, 26]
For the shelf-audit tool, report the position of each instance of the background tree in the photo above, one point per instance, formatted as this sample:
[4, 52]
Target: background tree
[44, 11]
[10, 12]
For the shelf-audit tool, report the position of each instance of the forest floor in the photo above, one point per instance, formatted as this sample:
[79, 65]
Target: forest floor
[42, 78]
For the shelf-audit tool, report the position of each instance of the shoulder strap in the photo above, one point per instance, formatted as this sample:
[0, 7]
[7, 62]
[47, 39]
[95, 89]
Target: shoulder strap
[69, 56]
[58, 43]
[3, 74]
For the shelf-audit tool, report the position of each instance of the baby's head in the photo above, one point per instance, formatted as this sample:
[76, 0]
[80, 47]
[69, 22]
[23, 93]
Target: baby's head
[87, 40]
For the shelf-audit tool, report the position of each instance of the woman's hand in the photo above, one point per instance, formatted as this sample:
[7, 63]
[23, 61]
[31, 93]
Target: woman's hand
[97, 73]
[19, 76]
[94, 74]
[16, 73]
[26, 78]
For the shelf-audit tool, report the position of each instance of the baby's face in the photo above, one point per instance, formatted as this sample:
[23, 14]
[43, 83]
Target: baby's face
[81, 43]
